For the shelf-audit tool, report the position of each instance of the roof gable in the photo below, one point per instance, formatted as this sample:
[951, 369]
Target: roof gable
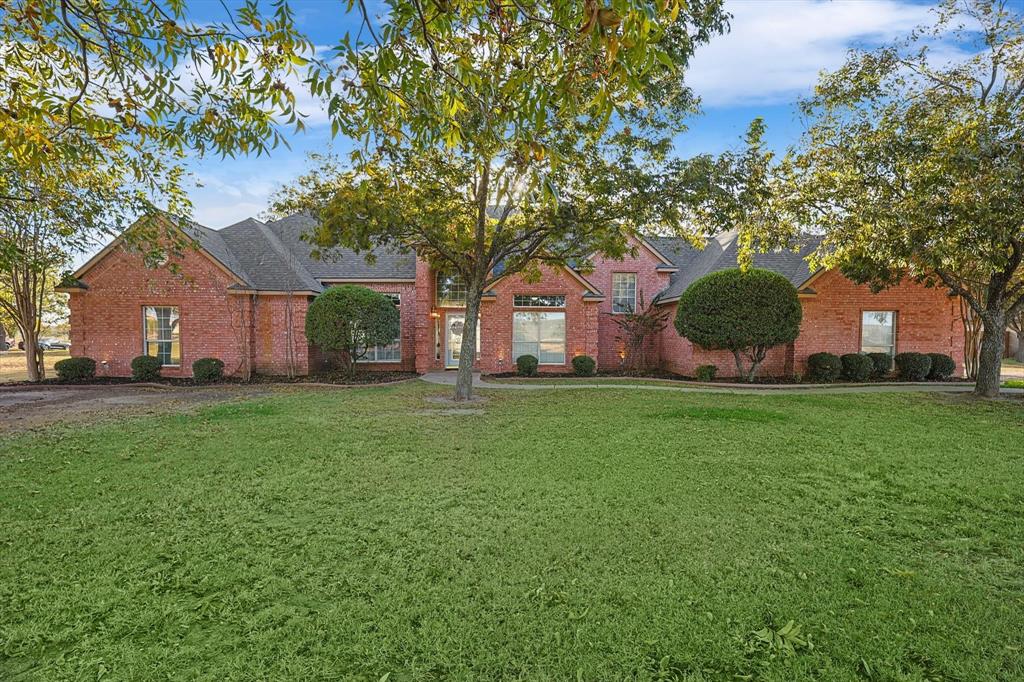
[721, 253]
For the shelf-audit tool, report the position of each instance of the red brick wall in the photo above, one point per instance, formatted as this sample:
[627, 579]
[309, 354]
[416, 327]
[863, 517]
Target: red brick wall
[649, 281]
[581, 320]
[271, 338]
[927, 320]
[106, 318]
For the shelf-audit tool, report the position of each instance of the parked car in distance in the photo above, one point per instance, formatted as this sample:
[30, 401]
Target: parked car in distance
[48, 344]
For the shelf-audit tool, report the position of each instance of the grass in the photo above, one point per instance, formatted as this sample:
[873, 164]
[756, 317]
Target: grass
[1013, 383]
[555, 380]
[367, 534]
[12, 364]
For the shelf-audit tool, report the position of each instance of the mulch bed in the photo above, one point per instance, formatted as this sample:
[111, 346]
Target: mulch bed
[367, 378]
[361, 378]
[670, 376]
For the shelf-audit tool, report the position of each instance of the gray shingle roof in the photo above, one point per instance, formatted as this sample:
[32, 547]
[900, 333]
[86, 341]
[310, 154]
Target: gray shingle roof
[272, 256]
[720, 254]
[341, 263]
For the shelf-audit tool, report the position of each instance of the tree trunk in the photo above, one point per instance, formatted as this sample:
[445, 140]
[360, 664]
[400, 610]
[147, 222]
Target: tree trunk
[990, 361]
[741, 372]
[33, 355]
[467, 353]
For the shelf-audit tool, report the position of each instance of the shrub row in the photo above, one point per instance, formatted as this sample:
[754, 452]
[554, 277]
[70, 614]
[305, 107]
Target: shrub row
[144, 368]
[582, 366]
[825, 368]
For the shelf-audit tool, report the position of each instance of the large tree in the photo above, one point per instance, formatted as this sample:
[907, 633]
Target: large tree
[139, 85]
[500, 136]
[69, 208]
[915, 168]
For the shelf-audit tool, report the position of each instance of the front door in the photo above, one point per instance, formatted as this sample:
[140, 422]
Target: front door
[454, 324]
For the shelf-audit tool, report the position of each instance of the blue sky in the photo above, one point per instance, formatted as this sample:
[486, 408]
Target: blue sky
[770, 58]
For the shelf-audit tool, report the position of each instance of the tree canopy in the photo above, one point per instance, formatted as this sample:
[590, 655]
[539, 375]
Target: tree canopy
[139, 85]
[911, 167]
[497, 137]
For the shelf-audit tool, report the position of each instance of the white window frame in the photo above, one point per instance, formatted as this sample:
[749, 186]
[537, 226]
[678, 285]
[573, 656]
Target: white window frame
[556, 301]
[616, 297]
[175, 334]
[895, 329]
[373, 354]
[539, 341]
[458, 284]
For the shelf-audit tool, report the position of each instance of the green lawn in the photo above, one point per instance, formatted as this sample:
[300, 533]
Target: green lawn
[12, 364]
[596, 535]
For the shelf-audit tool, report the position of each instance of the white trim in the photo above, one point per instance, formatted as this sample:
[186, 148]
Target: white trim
[119, 239]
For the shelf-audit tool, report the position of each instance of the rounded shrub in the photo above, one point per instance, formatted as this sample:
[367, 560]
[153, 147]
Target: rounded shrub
[207, 370]
[349, 319]
[526, 365]
[913, 366]
[706, 373]
[824, 368]
[584, 366]
[75, 369]
[744, 312]
[857, 367]
[942, 368]
[146, 368]
[882, 364]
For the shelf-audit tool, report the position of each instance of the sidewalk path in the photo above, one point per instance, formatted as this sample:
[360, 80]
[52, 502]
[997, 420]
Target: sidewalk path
[448, 379]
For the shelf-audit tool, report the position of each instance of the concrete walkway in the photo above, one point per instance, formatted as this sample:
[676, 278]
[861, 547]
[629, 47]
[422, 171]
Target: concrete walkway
[448, 379]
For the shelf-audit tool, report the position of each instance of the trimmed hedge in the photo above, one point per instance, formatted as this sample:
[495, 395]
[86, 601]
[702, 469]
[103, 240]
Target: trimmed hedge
[824, 368]
[146, 368]
[913, 366]
[883, 364]
[75, 369]
[706, 373]
[207, 370]
[584, 366]
[740, 311]
[943, 367]
[526, 365]
[857, 367]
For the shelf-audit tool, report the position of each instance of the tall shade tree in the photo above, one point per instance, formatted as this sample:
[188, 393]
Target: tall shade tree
[497, 136]
[137, 85]
[914, 168]
[69, 209]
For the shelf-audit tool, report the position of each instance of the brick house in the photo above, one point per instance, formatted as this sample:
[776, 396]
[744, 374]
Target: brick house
[242, 296]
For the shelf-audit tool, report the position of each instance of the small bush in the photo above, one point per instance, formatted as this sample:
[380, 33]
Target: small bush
[146, 368]
[857, 367]
[942, 368]
[882, 364]
[207, 370]
[75, 369]
[526, 365]
[584, 366]
[913, 366]
[706, 373]
[824, 368]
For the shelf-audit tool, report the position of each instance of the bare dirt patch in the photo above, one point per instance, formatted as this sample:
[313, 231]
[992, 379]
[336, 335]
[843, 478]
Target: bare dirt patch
[35, 408]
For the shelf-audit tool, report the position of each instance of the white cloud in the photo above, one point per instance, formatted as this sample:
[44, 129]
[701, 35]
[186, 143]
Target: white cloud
[777, 47]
